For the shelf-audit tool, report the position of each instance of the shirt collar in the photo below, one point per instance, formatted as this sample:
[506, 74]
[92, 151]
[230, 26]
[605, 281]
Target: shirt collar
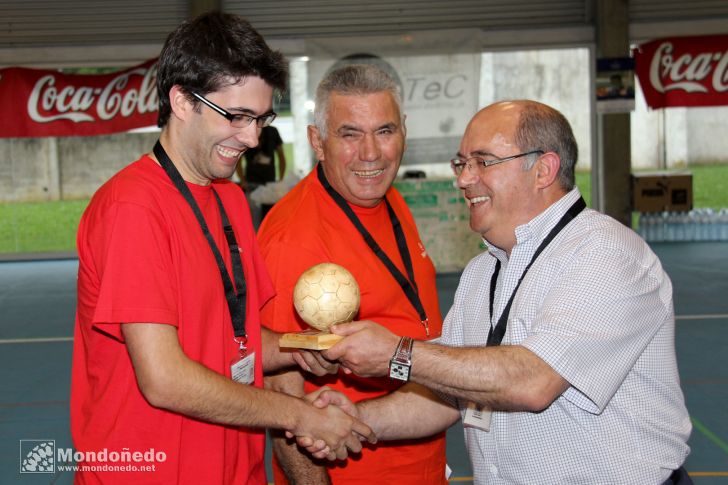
[538, 228]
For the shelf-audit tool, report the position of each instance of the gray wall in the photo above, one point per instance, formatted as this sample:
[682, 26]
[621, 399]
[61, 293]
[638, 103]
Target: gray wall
[40, 169]
[677, 137]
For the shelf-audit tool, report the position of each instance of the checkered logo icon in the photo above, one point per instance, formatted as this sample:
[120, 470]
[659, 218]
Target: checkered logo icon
[37, 456]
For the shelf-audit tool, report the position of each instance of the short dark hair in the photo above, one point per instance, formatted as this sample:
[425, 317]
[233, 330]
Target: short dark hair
[541, 127]
[204, 53]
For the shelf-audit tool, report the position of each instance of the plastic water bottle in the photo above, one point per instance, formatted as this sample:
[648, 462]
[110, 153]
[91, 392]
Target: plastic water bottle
[682, 221]
[723, 225]
[698, 224]
[669, 226]
[705, 217]
[713, 228]
[662, 222]
[648, 221]
[658, 228]
[692, 226]
[642, 226]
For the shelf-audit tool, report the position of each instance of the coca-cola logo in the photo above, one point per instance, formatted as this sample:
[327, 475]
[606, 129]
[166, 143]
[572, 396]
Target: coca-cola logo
[94, 103]
[693, 73]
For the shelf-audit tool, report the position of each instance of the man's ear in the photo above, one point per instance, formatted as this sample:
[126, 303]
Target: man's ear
[314, 139]
[180, 103]
[547, 169]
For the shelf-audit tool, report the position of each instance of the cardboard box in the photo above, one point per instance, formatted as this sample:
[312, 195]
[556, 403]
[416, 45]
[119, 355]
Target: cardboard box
[662, 191]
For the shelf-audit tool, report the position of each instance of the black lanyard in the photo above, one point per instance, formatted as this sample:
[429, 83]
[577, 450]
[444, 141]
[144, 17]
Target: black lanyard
[409, 286]
[235, 299]
[495, 337]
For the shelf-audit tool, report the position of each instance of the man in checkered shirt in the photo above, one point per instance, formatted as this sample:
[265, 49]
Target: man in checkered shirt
[584, 386]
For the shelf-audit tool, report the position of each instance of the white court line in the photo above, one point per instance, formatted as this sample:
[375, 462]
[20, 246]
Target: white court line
[709, 316]
[36, 340]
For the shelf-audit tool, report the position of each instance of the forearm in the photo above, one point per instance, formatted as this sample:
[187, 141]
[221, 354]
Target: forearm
[274, 358]
[508, 377]
[299, 468]
[179, 384]
[168, 379]
[399, 415]
[218, 399]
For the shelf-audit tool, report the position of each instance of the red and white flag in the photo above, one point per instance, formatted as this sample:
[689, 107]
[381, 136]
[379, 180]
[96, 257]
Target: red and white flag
[38, 102]
[684, 71]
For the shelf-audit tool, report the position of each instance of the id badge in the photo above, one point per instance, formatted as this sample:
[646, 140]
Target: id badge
[476, 416]
[243, 369]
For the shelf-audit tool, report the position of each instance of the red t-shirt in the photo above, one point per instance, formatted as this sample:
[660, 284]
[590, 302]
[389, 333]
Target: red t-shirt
[144, 258]
[306, 227]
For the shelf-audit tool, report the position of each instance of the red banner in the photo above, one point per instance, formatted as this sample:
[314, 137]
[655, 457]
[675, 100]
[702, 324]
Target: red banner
[684, 71]
[38, 102]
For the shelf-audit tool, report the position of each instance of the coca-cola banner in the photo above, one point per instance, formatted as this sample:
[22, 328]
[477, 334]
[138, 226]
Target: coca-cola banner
[38, 102]
[684, 71]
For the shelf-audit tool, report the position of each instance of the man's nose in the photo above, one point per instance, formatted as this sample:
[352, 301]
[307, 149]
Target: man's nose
[369, 149]
[467, 177]
[249, 135]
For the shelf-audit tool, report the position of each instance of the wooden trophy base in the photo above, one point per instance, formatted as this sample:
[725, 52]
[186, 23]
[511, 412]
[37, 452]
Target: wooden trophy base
[310, 339]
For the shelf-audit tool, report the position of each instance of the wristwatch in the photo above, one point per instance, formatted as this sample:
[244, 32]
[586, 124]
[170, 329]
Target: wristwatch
[401, 363]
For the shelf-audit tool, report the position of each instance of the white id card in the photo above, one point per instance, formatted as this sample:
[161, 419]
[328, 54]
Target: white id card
[477, 417]
[243, 371]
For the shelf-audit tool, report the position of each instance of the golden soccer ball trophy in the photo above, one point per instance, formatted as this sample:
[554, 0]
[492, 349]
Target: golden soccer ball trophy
[324, 295]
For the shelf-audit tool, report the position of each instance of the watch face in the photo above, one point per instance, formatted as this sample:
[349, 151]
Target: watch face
[399, 371]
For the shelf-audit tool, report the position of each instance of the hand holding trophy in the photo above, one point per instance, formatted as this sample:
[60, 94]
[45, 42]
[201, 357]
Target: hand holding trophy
[324, 295]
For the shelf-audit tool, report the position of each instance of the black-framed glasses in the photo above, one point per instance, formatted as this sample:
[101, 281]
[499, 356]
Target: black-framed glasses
[458, 164]
[238, 120]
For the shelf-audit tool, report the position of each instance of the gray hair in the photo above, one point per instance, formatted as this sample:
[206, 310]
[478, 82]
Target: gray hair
[542, 127]
[353, 79]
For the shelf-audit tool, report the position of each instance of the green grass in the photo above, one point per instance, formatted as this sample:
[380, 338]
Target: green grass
[40, 226]
[583, 181]
[710, 185]
[51, 226]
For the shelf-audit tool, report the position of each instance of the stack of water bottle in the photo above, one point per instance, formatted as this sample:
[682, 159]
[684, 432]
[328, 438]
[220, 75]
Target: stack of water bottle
[702, 224]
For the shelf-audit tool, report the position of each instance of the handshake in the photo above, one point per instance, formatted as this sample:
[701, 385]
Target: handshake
[336, 444]
[365, 350]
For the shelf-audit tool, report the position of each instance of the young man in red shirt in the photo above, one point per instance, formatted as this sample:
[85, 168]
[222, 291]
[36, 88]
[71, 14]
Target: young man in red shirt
[168, 350]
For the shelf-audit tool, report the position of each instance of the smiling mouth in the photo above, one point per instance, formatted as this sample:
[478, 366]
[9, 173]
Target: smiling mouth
[229, 153]
[478, 200]
[368, 174]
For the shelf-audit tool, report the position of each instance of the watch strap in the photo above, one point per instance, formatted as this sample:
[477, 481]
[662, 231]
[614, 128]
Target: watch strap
[403, 353]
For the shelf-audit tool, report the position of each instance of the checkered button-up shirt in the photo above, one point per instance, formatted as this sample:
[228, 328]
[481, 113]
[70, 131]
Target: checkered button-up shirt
[597, 307]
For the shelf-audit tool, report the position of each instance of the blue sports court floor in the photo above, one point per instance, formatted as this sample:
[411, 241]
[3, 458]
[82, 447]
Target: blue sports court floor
[37, 300]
